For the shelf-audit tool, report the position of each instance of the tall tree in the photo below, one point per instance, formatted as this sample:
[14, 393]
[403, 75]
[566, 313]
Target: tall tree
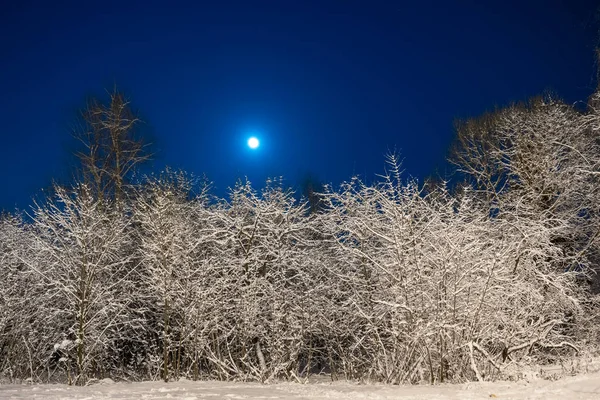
[111, 146]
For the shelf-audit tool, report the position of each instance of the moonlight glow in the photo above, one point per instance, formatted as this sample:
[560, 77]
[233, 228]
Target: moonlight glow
[253, 143]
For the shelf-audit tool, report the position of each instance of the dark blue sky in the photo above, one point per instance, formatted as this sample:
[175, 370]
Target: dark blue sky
[328, 86]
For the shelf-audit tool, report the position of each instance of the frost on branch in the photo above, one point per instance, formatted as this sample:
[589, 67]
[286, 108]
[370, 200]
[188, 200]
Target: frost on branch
[76, 279]
[433, 289]
[393, 281]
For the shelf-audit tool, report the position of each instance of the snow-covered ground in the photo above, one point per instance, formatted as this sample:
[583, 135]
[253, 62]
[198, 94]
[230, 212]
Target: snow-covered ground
[586, 386]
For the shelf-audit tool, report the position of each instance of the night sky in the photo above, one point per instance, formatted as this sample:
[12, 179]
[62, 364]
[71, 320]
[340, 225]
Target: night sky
[327, 86]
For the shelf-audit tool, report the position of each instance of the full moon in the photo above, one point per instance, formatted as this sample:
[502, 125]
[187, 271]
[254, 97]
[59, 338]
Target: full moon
[253, 143]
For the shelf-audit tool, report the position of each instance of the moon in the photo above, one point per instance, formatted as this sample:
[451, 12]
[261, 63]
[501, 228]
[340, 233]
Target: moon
[253, 143]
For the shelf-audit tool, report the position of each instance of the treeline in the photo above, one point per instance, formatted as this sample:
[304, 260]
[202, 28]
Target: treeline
[394, 281]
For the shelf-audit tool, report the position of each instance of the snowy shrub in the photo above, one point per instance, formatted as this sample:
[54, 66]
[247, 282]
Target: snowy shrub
[394, 281]
[432, 287]
[19, 301]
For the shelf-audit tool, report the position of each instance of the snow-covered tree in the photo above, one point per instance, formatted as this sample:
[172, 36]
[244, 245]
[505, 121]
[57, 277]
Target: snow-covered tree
[540, 161]
[263, 279]
[80, 274]
[22, 351]
[163, 214]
